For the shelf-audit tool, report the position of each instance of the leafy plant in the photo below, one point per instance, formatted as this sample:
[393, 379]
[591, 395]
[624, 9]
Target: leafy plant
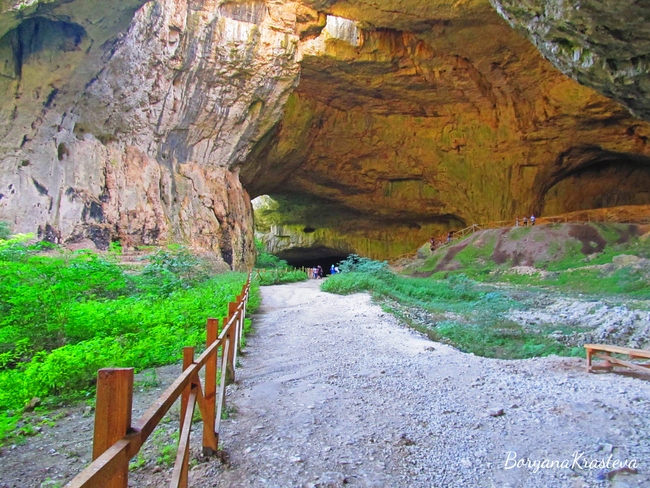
[267, 260]
[5, 230]
[356, 263]
[276, 277]
[65, 315]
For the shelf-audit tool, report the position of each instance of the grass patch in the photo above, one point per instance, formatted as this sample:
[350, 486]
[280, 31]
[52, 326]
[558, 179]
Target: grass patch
[65, 315]
[502, 339]
[277, 277]
[519, 232]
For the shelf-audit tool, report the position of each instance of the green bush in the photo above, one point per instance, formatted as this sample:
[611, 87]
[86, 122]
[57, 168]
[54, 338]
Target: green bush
[276, 277]
[5, 230]
[266, 260]
[355, 263]
[65, 315]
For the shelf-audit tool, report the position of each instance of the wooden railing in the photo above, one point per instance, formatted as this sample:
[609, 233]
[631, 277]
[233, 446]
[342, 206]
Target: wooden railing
[572, 217]
[116, 440]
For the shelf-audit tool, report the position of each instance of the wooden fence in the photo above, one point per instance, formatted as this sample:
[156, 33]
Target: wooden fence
[116, 440]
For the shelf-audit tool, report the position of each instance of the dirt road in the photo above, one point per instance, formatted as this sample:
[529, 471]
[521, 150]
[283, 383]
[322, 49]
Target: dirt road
[333, 390]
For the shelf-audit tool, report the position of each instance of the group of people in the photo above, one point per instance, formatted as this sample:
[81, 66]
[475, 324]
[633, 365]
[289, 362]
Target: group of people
[525, 221]
[433, 242]
[317, 272]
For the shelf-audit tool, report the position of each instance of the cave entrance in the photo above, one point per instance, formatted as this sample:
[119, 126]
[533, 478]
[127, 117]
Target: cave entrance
[605, 179]
[311, 257]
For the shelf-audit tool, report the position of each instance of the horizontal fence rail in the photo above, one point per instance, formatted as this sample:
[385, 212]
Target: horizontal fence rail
[578, 217]
[116, 439]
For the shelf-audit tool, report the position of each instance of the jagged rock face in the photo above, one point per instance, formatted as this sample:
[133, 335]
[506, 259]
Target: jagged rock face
[129, 122]
[153, 122]
[402, 135]
[602, 44]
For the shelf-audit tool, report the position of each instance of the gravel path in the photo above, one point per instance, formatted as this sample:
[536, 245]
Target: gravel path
[332, 390]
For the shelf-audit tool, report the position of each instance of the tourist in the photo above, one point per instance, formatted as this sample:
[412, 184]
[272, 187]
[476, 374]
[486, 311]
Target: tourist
[320, 272]
[517, 222]
[532, 220]
[332, 270]
[525, 221]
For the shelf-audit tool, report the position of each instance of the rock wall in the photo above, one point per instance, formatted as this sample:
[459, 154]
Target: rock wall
[129, 123]
[153, 122]
[600, 43]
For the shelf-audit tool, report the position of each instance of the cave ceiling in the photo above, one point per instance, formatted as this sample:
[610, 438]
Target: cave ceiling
[419, 117]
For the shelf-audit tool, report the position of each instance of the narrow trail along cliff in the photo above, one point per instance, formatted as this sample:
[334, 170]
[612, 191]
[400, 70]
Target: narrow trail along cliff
[334, 391]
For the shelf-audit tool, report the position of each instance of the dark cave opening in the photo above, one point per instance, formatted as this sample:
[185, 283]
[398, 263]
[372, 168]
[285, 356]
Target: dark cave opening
[605, 180]
[311, 257]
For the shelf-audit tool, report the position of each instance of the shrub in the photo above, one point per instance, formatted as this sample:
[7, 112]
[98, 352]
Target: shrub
[266, 260]
[5, 230]
[355, 263]
[276, 277]
[66, 315]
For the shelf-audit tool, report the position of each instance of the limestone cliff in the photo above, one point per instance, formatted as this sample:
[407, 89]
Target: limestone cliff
[383, 122]
[129, 122]
[602, 44]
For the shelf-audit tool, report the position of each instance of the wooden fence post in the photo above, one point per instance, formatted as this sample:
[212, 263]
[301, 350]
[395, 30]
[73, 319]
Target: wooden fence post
[188, 359]
[113, 416]
[232, 333]
[210, 442]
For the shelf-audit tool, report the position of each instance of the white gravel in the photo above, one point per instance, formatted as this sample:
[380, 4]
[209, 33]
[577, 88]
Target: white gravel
[332, 390]
[593, 320]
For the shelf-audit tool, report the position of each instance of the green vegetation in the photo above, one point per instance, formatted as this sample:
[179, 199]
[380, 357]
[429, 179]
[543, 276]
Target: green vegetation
[267, 260]
[277, 270]
[5, 230]
[478, 326]
[572, 258]
[63, 315]
[277, 277]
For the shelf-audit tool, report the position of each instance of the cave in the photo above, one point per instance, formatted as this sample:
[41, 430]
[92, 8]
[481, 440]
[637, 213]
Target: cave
[605, 179]
[394, 137]
[373, 128]
[312, 257]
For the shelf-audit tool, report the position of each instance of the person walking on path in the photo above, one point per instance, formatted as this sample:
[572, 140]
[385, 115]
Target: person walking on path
[525, 221]
[532, 220]
[516, 221]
